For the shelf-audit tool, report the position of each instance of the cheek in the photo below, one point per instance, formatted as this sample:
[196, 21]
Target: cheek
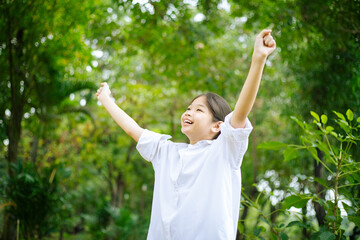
[182, 117]
[208, 119]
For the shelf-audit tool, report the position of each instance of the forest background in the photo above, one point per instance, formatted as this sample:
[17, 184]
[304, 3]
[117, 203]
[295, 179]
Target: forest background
[67, 171]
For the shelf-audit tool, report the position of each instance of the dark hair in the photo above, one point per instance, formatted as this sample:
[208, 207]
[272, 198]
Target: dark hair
[217, 105]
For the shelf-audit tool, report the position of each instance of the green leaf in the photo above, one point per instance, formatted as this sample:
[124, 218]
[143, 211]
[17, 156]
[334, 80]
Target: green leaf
[241, 228]
[295, 201]
[265, 220]
[273, 236]
[334, 134]
[352, 215]
[355, 219]
[296, 223]
[290, 153]
[327, 235]
[272, 145]
[358, 119]
[27, 178]
[258, 230]
[322, 182]
[283, 236]
[349, 209]
[330, 218]
[349, 115]
[344, 125]
[341, 116]
[329, 129]
[315, 115]
[314, 153]
[324, 119]
[301, 124]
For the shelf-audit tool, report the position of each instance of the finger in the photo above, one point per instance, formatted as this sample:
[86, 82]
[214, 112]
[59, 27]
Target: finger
[272, 47]
[271, 43]
[268, 37]
[268, 41]
[264, 32]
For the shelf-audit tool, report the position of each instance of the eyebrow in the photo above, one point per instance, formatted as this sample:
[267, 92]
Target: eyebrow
[200, 105]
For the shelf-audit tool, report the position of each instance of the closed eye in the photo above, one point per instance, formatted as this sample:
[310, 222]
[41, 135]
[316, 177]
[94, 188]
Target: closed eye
[199, 110]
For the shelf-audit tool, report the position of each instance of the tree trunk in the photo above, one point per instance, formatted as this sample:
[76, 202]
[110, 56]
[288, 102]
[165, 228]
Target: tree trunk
[13, 131]
[9, 231]
[34, 149]
[61, 234]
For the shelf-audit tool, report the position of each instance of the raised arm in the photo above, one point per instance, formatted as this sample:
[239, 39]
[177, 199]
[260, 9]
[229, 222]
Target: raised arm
[121, 118]
[264, 46]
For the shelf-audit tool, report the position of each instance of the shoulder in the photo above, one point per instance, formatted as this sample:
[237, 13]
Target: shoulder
[150, 136]
[236, 134]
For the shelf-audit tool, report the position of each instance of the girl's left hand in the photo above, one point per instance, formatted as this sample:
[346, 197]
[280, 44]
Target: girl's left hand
[264, 44]
[103, 92]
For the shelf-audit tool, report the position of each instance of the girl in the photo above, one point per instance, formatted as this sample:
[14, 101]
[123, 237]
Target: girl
[198, 185]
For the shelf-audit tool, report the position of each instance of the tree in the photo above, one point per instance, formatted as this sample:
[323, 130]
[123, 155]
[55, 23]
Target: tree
[320, 43]
[36, 51]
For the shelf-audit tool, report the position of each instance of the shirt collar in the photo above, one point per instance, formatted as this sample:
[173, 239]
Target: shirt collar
[202, 143]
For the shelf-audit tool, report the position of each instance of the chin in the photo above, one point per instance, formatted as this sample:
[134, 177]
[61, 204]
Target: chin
[184, 132]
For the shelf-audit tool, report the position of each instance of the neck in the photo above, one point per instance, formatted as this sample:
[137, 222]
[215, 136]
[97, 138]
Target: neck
[194, 141]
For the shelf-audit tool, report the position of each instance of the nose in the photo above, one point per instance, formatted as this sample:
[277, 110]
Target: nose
[187, 113]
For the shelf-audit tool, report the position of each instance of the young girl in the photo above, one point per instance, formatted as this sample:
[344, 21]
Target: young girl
[198, 185]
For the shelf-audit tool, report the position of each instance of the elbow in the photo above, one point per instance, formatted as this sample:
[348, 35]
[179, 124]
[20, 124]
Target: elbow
[135, 133]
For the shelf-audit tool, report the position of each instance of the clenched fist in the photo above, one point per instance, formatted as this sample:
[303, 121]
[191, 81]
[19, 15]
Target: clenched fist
[103, 92]
[264, 44]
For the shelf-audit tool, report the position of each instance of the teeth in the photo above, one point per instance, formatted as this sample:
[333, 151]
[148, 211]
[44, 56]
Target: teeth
[187, 121]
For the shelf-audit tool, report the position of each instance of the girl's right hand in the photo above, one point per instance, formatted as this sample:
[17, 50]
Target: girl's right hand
[103, 92]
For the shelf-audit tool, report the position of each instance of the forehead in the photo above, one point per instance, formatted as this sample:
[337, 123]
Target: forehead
[200, 101]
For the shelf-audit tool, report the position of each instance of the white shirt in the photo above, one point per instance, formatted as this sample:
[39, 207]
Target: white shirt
[197, 187]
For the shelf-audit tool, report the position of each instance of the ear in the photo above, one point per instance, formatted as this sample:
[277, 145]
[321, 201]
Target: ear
[216, 127]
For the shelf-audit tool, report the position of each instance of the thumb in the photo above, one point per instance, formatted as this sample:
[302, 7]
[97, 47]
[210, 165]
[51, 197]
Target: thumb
[264, 32]
[105, 85]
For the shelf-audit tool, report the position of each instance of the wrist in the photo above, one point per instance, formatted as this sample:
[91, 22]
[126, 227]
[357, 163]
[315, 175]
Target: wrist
[259, 56]
[104, 99]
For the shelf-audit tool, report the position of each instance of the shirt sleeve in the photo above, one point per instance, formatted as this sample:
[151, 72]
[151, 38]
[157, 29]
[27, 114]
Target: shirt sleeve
[150, 144]
[234, 141]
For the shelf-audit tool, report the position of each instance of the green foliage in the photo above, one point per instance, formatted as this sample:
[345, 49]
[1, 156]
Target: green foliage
[110, 222]
[156, 57]
[35, 199]
[296, 201]
[336, 144]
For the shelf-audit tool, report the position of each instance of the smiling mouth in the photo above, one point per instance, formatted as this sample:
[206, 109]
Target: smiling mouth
[188, 122]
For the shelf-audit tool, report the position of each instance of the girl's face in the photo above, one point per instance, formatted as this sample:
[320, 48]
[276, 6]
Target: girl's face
[197, 122]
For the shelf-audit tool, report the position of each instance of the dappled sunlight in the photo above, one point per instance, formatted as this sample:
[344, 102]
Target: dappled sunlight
[68, 171]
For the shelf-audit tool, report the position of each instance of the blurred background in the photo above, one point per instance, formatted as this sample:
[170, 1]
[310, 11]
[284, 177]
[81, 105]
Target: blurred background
[67, 171]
